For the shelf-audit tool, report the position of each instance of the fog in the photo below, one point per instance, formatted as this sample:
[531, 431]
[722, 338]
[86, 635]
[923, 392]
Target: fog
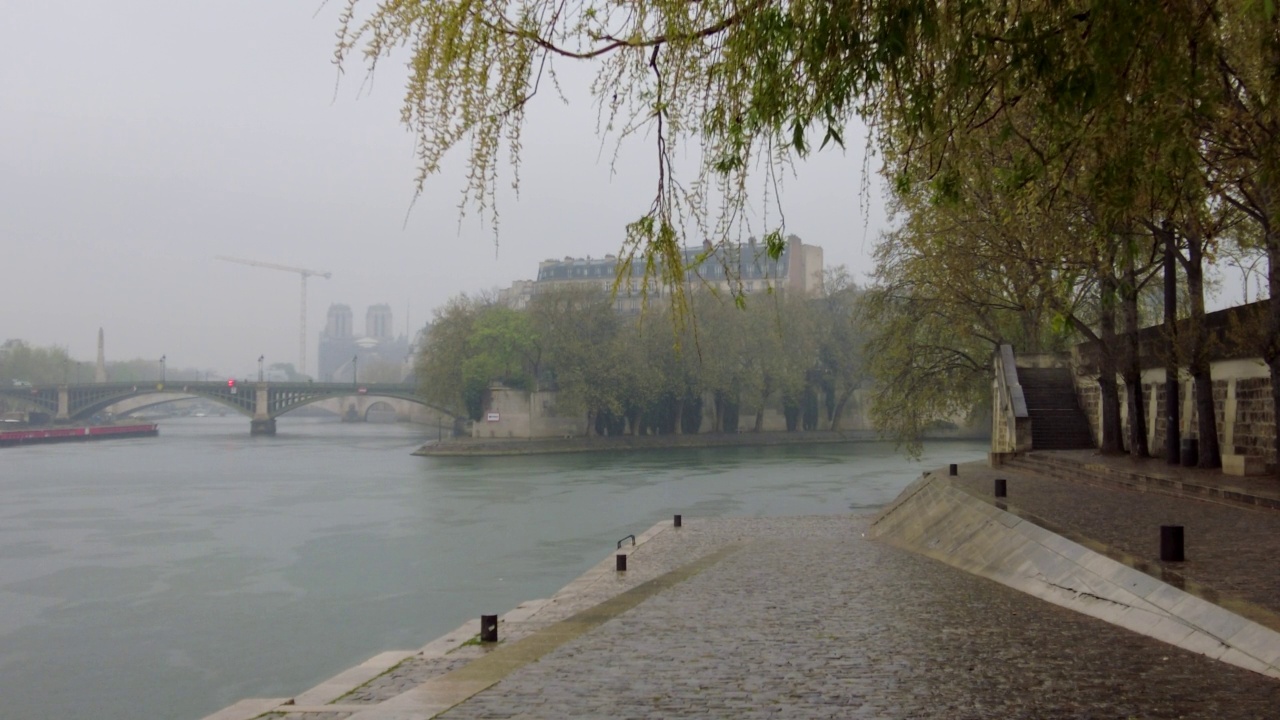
[144, 138]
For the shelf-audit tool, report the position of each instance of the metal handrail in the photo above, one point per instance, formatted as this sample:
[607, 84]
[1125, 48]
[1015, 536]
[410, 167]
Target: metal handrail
[633, 541]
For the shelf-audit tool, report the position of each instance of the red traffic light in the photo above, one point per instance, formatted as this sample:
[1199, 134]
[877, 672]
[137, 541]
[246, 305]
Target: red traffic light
[231, 382]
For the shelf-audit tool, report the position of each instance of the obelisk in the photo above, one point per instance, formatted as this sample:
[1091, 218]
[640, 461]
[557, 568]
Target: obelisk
[100, 371]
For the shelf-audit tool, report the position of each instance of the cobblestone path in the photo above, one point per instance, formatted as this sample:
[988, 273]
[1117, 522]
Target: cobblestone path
[1231, 549]
[809, 620]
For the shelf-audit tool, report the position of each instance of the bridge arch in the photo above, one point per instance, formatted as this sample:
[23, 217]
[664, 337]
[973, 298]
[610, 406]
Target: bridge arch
[262, 402]
[377, 408]
[139, 403]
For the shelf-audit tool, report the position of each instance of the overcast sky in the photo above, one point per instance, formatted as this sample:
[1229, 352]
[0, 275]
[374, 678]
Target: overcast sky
[142, 138]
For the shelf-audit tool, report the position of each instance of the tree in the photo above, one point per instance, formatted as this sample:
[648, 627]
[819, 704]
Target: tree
[579, 332]
[841, 350]
[1094, 101]
[439, 365]
[21, 362]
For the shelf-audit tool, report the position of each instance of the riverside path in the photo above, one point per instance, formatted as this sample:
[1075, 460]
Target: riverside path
[794, 618]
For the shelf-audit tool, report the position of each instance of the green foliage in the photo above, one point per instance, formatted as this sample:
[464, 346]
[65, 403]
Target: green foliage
[624, 375]
[36, 365]
[1061, 129]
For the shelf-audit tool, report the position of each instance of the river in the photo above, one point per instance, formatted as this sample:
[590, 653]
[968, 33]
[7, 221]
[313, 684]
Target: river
[168, 577]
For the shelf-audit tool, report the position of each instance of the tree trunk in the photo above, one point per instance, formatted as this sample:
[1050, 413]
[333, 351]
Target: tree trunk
[1206, 418]
[1132, 370]
[679, 430]
[837, 414]
[759, 420]
[1172, 386]
[1112, 441]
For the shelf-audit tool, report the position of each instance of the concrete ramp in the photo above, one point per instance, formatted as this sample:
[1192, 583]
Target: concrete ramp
[937, 519]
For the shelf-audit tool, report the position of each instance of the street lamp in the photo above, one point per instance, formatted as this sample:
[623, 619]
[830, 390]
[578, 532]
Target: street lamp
[354, 358]
[260, 357]
[162, 358]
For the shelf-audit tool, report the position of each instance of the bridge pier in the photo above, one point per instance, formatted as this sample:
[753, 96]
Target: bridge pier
[64, 405]
[262, 423]
[262, 426]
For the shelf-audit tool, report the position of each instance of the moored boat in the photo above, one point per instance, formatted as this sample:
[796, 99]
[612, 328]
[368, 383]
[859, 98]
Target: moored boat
[27, 436]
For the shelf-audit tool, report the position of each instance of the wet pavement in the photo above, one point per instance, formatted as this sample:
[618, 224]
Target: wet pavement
[803, 617]
[810, 620]
[1232, 549]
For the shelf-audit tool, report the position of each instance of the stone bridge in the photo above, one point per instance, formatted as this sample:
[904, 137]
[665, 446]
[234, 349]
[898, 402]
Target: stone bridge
[262, 402]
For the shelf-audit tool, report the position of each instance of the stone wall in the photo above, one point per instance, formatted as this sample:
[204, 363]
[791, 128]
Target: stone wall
[1255, 426]
[518, 414]
[1241, 399]
[1090, 397]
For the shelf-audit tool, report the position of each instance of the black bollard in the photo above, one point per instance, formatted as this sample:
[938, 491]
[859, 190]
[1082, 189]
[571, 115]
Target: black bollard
[488, 628]
[1171, 548]
[1001, 490]
[677, 521]
[954, 470]
[622, 562]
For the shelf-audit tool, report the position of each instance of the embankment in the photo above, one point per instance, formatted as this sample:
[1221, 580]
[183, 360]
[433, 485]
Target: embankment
[539, 446]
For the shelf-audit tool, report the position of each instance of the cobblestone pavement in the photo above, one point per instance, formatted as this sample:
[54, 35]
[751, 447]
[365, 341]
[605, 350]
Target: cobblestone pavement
[1231, 549]
[408, 675]
[810, 620]
[666, 551]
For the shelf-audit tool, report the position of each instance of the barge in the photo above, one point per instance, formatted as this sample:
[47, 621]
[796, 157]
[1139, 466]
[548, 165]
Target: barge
[31, 436]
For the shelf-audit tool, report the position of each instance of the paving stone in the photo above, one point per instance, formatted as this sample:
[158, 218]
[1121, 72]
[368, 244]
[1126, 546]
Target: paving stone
[1231, 549]
[810, 620]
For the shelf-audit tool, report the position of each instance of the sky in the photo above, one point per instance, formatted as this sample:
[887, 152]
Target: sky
[144, 138]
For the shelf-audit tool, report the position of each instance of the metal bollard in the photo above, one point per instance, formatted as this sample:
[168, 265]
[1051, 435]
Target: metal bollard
[1001, 490]
[954, 470]
[622, 562]
[1171, 547]
[677, 521]
[488, 628]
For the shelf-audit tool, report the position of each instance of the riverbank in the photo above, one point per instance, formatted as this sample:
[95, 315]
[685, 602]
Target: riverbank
[730, 615]
[541, 446]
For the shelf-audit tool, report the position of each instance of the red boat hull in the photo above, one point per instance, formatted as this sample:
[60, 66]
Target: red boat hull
[69, 434]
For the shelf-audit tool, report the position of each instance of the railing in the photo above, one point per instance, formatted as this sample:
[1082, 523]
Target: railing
[1011, 424]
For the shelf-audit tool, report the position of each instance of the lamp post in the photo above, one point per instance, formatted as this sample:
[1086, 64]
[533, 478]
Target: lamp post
[260, 358]
[162, 359]
[354, 375]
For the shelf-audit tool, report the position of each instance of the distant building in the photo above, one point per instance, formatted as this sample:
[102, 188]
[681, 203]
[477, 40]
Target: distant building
[744, 267]
[339, 323]
[372, 353]
[377, 322]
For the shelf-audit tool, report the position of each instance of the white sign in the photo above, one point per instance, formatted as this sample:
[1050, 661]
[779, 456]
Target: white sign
[492, 417]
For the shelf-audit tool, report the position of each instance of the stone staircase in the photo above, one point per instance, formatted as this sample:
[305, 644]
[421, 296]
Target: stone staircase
[1057, 423]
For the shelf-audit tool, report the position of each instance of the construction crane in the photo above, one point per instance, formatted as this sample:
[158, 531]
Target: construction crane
[304, 273]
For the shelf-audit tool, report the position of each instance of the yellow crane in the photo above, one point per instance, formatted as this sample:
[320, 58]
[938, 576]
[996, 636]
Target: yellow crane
[304, 274]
